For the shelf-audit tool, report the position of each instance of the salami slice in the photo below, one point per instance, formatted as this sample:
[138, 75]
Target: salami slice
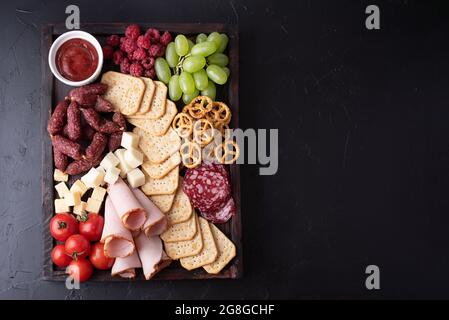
[222, 215]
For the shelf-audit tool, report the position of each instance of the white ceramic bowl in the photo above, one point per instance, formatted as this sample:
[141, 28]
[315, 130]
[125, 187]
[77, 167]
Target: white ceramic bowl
[71, 35]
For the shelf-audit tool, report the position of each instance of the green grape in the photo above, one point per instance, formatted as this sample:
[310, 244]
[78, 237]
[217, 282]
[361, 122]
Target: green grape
[201, 38]
[162, 70]
[210, 91]
[193, 63]
[201, 80]
[191, 44]
[171, 56]
[224, 43]
[174, 91]
[216, 74]
[228, 72]
[187, 98]
[186, 82]
[215, 37]
[219, 59]
[203, 49]
[181, 45]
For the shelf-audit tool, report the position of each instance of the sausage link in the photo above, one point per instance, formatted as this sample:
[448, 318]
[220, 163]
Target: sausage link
[109, 127]
[103, 105]
[67, 147]
[65, 131]
[82, 165]
[60, 159]
[120, 120]
[74, 122]
[88, 132]
[92, 118]
[115, 140]
[87, 95]
[57, 120]
[97, 146]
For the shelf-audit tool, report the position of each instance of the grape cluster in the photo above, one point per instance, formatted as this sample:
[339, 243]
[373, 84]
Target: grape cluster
[193, 68]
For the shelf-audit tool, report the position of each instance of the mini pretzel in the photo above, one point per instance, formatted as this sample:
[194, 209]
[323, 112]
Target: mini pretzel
[183, 125]
[198, 107]
[203, 132]
[221, 111]
[230, 148]
[190, 154]
[224, 130]
[208, 152]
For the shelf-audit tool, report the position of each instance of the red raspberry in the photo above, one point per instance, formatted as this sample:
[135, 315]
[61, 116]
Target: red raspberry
[154, 35]
[113, 40]
[124, 66]
[136, 69]
[150, 73]
[148, 63]
[156, 50]
[143, 42]
[129, 45]
[139, 54]
[132, 31]
[108, 51]
[118, 57]
[166, 38]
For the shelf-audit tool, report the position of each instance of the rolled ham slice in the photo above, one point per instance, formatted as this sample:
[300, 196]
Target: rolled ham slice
[130, 211]
[165, 262]
[126, 267]
[118, 241]
[156, 222]
[150, 253]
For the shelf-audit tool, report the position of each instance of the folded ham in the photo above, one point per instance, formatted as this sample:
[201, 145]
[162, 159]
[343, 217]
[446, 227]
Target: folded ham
[130, 211]
[156, 222]
[126, 267]
[165, 262]
[118, 241]
[150, 253]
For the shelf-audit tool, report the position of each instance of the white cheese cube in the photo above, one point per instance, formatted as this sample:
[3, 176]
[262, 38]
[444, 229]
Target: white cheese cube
[78, 186]
[80, 209]
[109, 161]
[102, 173]
[93, 205]
[60, 206]
[129, 140]
[93, 178]
[123, 166]
[98, 193]
[112, 175]
[62, 189]
[58, 175]
[72, 199]
[136, 178]
[133, 158]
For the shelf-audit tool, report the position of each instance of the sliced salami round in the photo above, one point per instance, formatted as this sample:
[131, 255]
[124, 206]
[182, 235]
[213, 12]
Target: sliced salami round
[222, 215]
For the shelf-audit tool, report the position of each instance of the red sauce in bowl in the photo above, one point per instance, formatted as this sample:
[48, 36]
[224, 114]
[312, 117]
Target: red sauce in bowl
[76, 59]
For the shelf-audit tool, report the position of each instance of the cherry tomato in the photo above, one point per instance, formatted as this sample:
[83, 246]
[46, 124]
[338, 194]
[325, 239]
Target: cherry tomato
[60, 257]
[92, 227]
[80, 269]
[77, 246]
[98, 259]
[62, 226]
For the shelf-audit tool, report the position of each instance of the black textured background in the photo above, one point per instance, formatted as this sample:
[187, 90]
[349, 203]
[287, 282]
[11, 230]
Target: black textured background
[363, 120]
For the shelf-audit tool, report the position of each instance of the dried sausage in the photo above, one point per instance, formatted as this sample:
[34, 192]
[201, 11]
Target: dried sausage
[103, 105]
[92, 118]
[57, 119]
[74, 122]
[120, 120]
[67, 147]
[87, 95]
[82, 165]
[109, 127]
[115, 139]
[88, 132]
[97, 146]
[60, 159]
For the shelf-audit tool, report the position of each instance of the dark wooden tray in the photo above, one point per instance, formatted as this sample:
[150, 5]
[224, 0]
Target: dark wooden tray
[53, 91]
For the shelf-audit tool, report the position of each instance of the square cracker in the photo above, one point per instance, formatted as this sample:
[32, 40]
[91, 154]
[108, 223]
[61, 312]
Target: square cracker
[124, 92]
[158, 149]
[163, 201]
[156, 127]
[181, 231]
[158, 103]
[181, 249]
[226, 251]
[181, 209]
[209, 252]
[166, 185]
[150, 87]
[160, 170]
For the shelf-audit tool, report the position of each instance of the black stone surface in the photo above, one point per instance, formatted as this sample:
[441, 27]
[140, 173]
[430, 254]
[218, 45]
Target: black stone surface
[363, 119]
